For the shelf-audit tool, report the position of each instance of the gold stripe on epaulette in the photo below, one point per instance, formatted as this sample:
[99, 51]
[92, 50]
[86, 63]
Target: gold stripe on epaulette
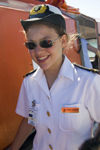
[88, 69]
[29, 73]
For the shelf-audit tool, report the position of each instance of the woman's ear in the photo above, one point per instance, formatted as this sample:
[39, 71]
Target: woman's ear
[64, 39]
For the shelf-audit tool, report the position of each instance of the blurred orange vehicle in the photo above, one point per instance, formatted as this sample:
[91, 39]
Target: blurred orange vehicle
[15, 61]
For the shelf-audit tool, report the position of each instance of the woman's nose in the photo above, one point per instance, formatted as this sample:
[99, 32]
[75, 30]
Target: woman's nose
[38, 49]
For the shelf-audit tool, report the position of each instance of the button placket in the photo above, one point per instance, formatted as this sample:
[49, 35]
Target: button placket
[48, 129]
[48, 114]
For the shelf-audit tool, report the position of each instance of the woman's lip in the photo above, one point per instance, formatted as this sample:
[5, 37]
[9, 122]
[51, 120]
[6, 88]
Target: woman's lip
[42, 59]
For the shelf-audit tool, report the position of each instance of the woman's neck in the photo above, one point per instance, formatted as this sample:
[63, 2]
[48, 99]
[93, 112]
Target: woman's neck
[52, 73]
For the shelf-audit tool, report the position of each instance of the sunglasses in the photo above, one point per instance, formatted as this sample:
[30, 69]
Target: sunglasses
[44, 44]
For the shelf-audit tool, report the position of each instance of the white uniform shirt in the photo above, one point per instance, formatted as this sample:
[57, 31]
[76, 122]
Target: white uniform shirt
[73, 88]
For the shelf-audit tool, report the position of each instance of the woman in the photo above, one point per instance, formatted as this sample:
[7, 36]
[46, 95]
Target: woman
[60, 100]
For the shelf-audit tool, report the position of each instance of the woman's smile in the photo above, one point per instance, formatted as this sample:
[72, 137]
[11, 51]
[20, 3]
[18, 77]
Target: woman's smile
[42, 59]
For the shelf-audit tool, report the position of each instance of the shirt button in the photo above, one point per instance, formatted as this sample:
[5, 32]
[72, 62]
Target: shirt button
[49, 130]
[49, 97]
[50, 146]
[48, 113]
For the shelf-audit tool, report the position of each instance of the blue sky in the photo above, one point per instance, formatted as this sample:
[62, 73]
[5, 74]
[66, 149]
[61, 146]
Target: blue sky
[87, 7]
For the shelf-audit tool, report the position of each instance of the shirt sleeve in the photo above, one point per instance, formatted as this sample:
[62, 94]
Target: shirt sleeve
[22, 104]
[93, 101]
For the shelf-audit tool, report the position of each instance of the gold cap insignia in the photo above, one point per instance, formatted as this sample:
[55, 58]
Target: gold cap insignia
[38, 9]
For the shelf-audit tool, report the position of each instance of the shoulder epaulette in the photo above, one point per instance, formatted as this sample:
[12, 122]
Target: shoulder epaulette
[88, 69]
[31, 72]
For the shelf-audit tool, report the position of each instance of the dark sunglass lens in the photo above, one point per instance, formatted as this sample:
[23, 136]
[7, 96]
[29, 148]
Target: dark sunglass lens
[46, 43]
[30, 45]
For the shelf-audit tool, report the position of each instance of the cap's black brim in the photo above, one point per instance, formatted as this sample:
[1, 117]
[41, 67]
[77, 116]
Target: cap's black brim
[27, 22]
[52, 18]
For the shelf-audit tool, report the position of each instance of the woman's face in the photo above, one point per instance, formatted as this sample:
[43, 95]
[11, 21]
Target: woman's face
[46, 58]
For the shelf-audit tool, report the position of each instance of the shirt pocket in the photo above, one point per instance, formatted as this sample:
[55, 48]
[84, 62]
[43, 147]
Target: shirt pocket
[70, 120]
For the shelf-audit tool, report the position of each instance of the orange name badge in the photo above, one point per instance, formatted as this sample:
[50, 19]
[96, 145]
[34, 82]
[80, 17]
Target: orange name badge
[70, 110]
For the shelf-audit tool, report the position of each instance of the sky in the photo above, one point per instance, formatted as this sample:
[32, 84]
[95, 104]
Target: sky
[90, 8]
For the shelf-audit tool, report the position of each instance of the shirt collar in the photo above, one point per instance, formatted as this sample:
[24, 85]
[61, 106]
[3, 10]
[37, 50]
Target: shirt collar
[39, 77]
[67, 69]
[38, 74]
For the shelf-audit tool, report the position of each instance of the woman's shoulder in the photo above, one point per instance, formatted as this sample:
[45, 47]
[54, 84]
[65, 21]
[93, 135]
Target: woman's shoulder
[93, 70]
[28, 77]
